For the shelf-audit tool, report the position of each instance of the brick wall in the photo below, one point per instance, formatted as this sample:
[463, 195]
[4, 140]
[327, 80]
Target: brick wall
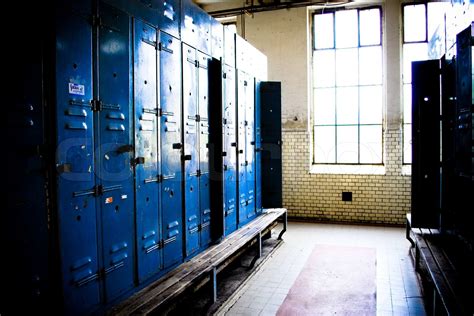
[383, 199]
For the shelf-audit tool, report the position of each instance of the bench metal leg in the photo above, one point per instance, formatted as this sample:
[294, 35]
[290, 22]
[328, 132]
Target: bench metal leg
[417, 259]
[259, 250]
[408, 236]
[285, 224]
[213, 285]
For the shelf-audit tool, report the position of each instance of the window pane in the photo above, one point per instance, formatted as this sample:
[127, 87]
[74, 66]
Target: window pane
[370, 27]
[370, 67]
[414, 23]
[324, 68]
[346, 29]
[324, 106]
[347, 107]
[347, 146]
[324, 143]
[406, 143]
[371, 144]
[346, 67]
[371, 100]
[324, 31]
[436, 12]
[412, 52]
[407, 103]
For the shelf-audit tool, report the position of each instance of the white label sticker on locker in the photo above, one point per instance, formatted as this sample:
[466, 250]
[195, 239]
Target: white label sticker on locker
[124, 196]
[77, 89]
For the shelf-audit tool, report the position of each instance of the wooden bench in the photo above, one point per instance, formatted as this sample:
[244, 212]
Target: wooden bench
[203, 267]
[432, 262]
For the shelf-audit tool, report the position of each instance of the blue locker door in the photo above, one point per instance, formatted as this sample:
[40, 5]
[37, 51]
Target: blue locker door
[191, 150]
[230, 149]
[171, 149]
[258, 149]
[241, 141]
[204, 180]
[146, 152]
[77, 223]
[250, 145]
[115, 152]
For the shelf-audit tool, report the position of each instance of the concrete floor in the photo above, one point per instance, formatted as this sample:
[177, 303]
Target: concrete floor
[397, 292]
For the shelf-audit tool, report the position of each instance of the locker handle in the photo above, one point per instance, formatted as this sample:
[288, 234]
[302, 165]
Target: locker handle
[177, 146]
[233, 144]
[187, 157]
[224, 154]
[139, 160]
[252, 143]
[241, 151]
[258, 149]
[124, 149]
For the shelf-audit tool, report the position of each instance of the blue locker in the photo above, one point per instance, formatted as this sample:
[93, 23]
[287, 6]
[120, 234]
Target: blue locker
[195, 27]
[249, 85]
[242, 146]
[114, 152]
[229, 47]
[258, 149]
[191, 150]
[203, 121]
[75, 181]
[147, 164]
[171, 149]
[217, 39]
[229, 149]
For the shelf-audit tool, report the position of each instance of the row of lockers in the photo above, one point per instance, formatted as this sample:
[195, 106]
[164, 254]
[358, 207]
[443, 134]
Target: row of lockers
[443, 138]
[136, 143]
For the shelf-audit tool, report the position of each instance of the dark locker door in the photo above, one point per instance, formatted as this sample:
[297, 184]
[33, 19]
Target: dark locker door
[77, 223]
[258, 148]
[241, 147]
[26, 198]
[146, 151]
[191, 150]
[171, 149]
[270, 120]
[249, 84]
[230, 149]
[203, 121]
[115, 151]
[425, 199]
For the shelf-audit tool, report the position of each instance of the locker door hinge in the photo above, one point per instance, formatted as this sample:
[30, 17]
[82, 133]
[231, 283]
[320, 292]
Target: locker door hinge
[96, 105]
[98, 190]
[96, 20]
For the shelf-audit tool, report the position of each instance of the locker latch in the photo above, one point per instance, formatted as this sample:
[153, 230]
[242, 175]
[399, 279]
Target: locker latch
[252, 143]
[224, 153]
[233, 144]
[125, 149]
[198, 173]
[177, 146]
[241, 151]
[246, 123]
[224, 121]
[186, 157]
[245, 83]
[198, 118]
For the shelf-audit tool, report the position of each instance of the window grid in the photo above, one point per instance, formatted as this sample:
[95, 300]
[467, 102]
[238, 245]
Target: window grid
[431, 13]
[337, 85]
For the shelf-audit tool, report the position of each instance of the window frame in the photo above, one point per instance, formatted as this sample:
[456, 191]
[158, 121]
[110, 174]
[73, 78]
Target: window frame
[358, 86]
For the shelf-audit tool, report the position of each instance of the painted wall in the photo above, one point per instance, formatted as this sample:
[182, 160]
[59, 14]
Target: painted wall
[284, 36]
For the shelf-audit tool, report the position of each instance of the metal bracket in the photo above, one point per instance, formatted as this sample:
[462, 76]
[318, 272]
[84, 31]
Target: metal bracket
[259, 250]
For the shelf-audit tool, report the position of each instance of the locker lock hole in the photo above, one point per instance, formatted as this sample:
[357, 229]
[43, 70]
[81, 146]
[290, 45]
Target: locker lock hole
[116, 208]
[347, 196]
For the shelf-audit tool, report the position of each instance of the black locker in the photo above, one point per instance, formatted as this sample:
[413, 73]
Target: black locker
[425, 194]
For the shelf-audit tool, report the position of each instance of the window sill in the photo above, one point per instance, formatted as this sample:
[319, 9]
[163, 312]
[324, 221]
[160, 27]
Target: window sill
[347, 169]
[406, 170]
